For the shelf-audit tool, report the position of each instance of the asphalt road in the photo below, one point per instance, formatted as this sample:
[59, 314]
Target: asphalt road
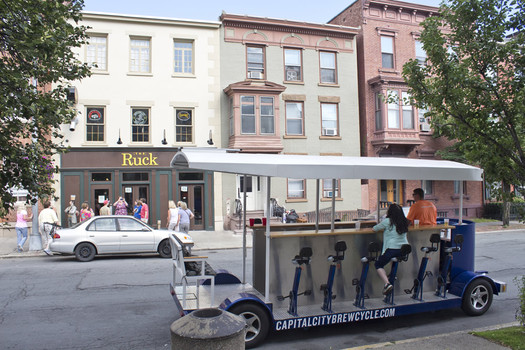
[124, 303]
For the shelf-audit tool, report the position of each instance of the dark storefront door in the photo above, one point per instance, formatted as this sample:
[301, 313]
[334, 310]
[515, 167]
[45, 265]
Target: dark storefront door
[193, 196]
[99, 196]
[133, 193]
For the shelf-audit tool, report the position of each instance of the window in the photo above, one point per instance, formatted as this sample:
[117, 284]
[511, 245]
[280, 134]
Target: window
[104, 224]
[255, 61]
[135, 177]
[408, 112]
[387, 51]
[232, 125]
[397, 108]
[327, 188]
[294, 118]
[267, 118]
[96, 52]
[421, 55]
[329, 122]
[456, 187]
[130, 225]
[296, 188]
[427, 185]
[140, 55]
[184, 125]
[247, 115]
[293, 70]
[95, 124]
[328, 67]
[378, 108]
[393, 110]
[191, 176]
[424, 124]
[183, 57]
[140, 124]
[98, 177]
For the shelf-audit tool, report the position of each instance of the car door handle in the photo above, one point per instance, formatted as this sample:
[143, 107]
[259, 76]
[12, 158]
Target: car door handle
[91, 235]
[124, 235]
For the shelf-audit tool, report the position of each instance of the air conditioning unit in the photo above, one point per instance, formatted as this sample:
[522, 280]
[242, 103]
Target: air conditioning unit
[329, 131]
[291, 75]
[255, 75]
[424, 127]
[327, 194]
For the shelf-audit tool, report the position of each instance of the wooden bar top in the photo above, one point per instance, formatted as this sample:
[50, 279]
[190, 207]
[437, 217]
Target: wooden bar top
[350, 231]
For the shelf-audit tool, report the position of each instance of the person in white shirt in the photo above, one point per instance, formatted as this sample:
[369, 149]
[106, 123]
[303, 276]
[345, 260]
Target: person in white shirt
[47, 216]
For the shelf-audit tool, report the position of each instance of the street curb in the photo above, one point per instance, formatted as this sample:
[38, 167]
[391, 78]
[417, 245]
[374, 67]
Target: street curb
[413, 340]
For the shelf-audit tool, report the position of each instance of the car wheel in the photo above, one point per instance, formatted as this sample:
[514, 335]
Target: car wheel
[85, 252]
[257, 323]
[164, 249]
[477, 297]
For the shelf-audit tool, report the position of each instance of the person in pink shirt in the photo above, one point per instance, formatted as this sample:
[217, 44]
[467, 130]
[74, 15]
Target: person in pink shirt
[144, 211]
[21, 226]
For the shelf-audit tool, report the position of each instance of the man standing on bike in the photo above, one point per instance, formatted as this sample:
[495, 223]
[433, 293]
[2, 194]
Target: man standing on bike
[46, 219]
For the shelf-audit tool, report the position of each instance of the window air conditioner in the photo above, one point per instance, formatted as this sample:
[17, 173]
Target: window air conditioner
[329, 131]
[327, 194]
[424, 127]
[255, 75]
[291, 75]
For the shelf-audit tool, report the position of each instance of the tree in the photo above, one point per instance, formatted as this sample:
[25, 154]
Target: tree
[36, 64]
[473, 84]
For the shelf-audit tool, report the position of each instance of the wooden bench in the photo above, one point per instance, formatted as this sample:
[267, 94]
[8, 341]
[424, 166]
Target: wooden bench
[184, 275]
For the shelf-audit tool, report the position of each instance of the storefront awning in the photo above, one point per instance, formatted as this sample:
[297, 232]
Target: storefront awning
[323, 167]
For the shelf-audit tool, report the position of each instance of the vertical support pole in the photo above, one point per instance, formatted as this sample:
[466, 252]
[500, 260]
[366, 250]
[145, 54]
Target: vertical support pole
[317, 189]
[244, 230]
[461, 202]
[267, 267]
[378, 200]
[332, 225]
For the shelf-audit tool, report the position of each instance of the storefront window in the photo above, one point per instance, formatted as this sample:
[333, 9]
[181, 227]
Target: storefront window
[98, 177]
[191, 176]
[135, 177]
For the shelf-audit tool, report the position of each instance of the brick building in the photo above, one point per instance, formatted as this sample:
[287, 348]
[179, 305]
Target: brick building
[388, 38]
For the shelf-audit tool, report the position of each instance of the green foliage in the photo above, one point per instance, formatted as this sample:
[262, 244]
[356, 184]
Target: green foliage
[474, 84]
[36, 64]
[520, 312]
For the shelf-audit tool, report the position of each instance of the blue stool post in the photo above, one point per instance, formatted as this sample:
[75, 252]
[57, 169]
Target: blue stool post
[340, 248]
[417, 288]
[406, 249]
[445, 270]
[374, 248]
[304, 257]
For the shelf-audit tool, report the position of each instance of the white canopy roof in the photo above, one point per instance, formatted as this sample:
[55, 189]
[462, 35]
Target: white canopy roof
[323, 167]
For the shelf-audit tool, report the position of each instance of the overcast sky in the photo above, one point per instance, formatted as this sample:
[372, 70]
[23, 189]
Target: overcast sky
[308, 11]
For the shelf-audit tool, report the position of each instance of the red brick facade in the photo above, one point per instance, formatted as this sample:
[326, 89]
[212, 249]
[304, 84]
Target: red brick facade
[383, 132]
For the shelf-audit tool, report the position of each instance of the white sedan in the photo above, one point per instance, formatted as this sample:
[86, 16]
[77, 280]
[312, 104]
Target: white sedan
[114, 234]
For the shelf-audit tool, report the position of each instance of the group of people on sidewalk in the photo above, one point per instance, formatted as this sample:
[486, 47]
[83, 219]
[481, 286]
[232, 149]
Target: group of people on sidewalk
[179, 217]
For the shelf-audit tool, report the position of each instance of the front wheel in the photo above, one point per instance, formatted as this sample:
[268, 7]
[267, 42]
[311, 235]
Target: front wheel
[85, 252]
[257, 323]
[477, 298]
[164, 249]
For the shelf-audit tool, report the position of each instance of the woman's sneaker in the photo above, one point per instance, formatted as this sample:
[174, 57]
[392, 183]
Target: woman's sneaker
[387, 289]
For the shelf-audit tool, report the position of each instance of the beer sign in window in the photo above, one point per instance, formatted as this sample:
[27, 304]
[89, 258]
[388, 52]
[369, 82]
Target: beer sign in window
[184, 125]
[95, 124]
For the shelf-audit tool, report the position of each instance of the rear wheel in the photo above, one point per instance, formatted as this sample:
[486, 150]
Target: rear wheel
[257, 323]
[164, 249]
[477, 298]
[85, 252]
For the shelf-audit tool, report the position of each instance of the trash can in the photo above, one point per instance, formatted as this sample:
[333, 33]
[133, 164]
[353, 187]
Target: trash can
[208, 329]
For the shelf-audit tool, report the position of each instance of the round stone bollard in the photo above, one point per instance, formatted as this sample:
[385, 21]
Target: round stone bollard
[208, 329]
